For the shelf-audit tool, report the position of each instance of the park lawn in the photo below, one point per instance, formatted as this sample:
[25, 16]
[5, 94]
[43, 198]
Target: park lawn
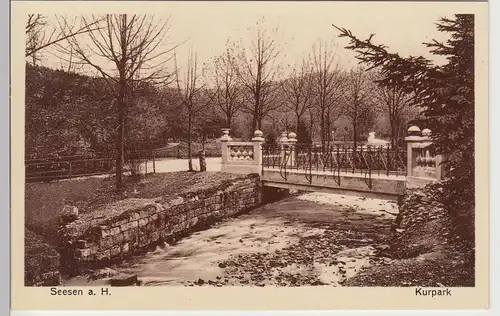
[180, 150]
[44, 201]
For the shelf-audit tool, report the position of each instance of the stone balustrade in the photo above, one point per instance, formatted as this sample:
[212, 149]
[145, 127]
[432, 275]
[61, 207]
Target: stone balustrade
[423, 164]
[242, 157]
[240, 152]
[246, 157]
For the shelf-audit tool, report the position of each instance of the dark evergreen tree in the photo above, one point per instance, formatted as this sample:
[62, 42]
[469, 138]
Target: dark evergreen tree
[271, 139]
[303, 134]
[446, 95]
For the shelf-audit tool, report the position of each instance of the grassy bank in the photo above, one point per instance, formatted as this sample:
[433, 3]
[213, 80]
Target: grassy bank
[44, 202]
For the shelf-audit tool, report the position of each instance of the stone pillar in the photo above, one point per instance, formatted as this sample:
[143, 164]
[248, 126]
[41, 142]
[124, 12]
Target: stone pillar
[425, 154]
[437, 159]
[257, 141]
[283, 144]
[414, 136]
[423, 166]
[292, 141]
[224, 148]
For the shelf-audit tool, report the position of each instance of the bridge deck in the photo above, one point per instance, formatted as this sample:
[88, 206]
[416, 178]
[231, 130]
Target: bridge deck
[379, 185]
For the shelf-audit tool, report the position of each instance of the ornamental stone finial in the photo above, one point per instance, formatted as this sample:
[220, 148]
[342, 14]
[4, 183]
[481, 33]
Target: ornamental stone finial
[292, 137]
[257, 136]
[283, 138]
[225, 135]
[414, 131]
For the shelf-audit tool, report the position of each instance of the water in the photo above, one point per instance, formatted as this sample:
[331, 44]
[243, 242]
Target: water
[292, 242]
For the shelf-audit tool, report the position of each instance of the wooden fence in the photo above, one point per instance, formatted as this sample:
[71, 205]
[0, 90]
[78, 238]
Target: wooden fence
[67, 167]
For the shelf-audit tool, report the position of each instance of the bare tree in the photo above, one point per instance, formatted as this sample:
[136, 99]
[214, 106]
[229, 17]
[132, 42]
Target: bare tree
[284, 119]
[130, 45]
[311, 109]
[229, 91]
[259, 71]
[395, 102]
[41, 34]
[298, 90]
[358, 105]
[328, 87]
[35, 27]
[194, 97]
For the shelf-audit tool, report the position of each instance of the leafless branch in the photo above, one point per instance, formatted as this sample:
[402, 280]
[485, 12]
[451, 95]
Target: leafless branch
[259, 70]
[38, 40]
[328, 86]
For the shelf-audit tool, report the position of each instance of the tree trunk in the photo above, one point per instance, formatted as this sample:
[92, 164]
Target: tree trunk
[259, 124]
[322, 130]
[327, 129]
[355, 133]
[399, 131]
[120, 137]
[254, 124]
[311, 125]
[297, 126]
[121, 106]
[190, 158]
[203, 163]
[393, 134]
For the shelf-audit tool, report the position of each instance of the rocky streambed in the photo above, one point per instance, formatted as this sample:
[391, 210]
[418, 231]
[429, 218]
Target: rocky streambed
[312, 239]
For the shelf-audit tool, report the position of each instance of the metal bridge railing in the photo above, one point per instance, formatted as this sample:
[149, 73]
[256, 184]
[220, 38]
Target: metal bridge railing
[417, 161]
[336, 159]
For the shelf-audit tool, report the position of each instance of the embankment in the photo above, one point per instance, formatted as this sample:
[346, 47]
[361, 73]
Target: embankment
[131, 226]
[425, 248]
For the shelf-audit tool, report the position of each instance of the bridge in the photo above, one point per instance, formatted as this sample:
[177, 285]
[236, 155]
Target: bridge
[365, 170]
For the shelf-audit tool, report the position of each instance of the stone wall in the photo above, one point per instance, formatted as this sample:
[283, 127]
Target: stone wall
[41, 262]
[134, 225]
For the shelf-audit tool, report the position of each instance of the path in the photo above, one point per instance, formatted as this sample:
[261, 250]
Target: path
[313, 239]
[163, 165]
[173, 165]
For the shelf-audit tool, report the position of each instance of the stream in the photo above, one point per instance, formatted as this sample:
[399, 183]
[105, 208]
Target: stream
[312, 239]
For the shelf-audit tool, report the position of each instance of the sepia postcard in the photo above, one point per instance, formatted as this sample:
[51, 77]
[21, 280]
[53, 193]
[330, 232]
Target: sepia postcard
[243, 155]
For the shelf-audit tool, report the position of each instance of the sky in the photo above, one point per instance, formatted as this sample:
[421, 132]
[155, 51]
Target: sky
[205, 28]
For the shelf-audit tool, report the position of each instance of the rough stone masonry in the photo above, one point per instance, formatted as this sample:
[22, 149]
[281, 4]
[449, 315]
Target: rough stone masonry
[41, 262]
[134, 225]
